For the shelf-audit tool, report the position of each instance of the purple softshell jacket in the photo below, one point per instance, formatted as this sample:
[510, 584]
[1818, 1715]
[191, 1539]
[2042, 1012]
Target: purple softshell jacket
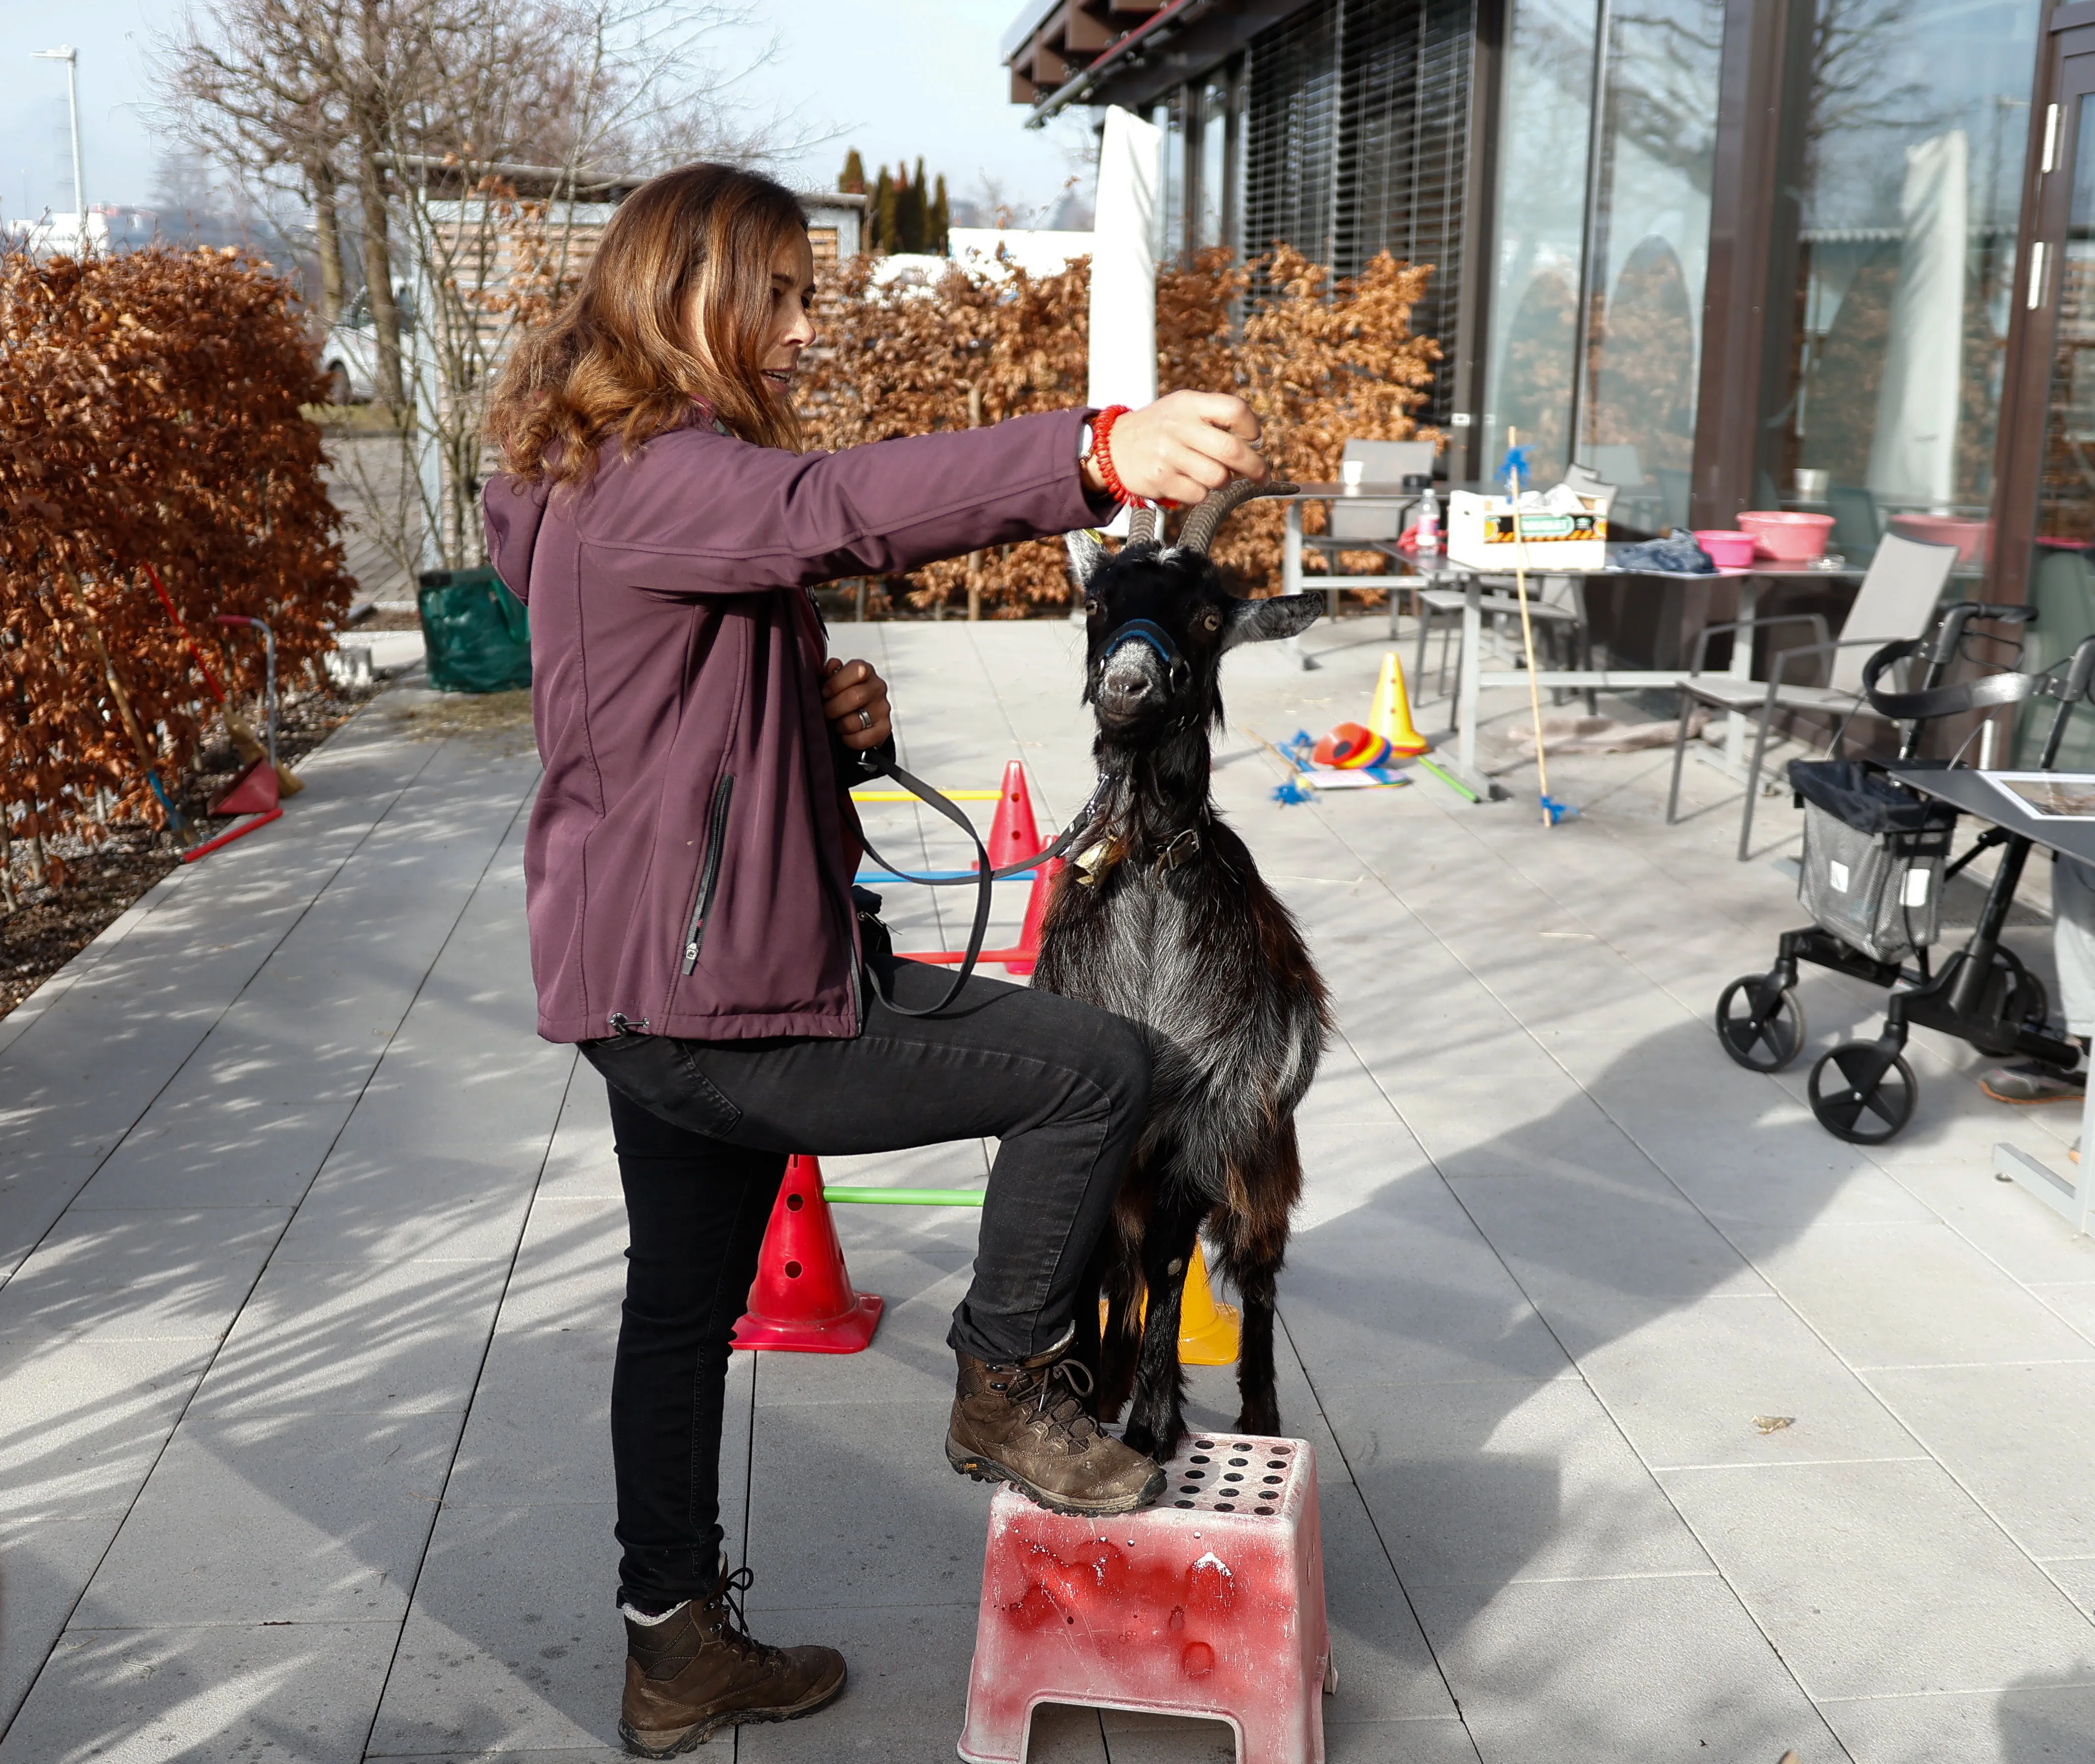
[689, 863]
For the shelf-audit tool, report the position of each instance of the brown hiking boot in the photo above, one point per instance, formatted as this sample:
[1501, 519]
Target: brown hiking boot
[698, 1669]
[1026, 1423]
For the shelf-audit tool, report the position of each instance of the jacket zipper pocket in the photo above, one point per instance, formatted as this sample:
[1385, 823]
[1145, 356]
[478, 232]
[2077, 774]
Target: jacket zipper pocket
[709, 873]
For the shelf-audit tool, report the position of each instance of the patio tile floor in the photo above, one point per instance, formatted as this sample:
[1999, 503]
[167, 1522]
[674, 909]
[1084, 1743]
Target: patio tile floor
[310, 1265]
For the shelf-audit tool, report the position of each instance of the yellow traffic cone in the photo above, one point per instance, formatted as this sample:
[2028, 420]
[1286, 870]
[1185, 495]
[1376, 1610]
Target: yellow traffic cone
[1391, 718]
[1209, 1333]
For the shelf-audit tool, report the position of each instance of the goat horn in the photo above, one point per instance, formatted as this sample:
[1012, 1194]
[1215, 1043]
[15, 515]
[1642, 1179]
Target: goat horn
[1209, 513]
[1142, 526]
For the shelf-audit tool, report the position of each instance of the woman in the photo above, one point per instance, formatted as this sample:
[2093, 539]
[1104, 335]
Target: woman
[689, 868]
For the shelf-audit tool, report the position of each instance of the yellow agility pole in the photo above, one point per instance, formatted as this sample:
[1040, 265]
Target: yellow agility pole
[1552, 810]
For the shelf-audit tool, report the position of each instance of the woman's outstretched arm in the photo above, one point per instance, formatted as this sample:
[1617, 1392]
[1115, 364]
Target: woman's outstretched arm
[700, 513]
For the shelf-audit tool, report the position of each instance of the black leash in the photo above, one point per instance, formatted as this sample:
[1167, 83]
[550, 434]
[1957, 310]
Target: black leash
[932, 798]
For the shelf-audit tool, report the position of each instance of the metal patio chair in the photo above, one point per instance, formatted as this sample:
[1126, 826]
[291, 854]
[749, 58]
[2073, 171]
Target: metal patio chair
[1895, 603]
[1370, 523]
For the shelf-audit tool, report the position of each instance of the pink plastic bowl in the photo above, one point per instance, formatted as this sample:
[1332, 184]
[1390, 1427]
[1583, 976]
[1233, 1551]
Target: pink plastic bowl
[1728, 549]
[1787, 538]
[1970, 537]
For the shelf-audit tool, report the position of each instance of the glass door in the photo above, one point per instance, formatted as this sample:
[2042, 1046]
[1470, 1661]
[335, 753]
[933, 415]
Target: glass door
[2062, 281]
[2047, 507]
[2051, 550]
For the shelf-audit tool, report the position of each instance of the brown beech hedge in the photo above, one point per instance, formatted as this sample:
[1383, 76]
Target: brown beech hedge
[1320, 358]
[149, 414]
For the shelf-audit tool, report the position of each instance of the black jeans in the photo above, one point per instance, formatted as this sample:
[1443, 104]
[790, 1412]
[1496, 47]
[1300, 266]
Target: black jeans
[703, 1129]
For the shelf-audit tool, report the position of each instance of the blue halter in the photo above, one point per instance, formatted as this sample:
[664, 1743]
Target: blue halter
[1145, 631]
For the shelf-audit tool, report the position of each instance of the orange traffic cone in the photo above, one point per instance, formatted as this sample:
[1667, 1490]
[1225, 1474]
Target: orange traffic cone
[254, 792]
[1014, 835]
[1209, 1334]
[1028, 952]
[802, 1299]
[1391, 718]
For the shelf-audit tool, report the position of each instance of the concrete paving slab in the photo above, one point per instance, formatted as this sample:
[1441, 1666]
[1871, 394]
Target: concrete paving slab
[1686, 1385]
[540, 1426]
[82, 1421]
[1663, 1669]
[212, 1153]
[1492, 1483]
[208, 1694]
[1407, 1291]
[514, 1642]
[1576, 1240]
[308, 1519]
[907, 1696]
[2028, 1243]
[853, 1505]
[375, 1206]
[1907, 1295]
[1985, 1727]
[355, 1338]
[1386, 1671]
[1833, 1559]
[43, 1565]
[140, 1275]
[582, 1164]
[2011, 1435]
[34, 1193]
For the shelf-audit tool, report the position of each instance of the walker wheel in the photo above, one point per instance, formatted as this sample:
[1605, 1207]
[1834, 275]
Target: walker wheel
[1760, 1044]
[1862, 1095]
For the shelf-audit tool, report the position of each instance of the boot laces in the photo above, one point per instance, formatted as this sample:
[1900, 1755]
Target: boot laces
[1064, 1409]
[734, 1625]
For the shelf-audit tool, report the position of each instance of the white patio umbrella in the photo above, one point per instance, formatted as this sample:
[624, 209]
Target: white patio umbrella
[1912, 454]
[1123, 358]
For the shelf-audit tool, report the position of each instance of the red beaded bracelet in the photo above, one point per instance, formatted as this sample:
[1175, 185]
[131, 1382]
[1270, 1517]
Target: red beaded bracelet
[1101, 451]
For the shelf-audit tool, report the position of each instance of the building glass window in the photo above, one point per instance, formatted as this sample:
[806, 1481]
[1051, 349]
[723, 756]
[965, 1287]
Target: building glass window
[1215, 166]
[1893, 269]
[1537, 267]
[1646, 253]
[1171, 213]
[1606, 212]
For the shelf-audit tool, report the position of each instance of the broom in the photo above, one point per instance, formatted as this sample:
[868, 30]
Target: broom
[238, 730]
[1552, 810]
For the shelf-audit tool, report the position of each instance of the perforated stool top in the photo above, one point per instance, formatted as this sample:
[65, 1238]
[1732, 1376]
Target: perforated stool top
[1210, 1603]
[1221, 1473]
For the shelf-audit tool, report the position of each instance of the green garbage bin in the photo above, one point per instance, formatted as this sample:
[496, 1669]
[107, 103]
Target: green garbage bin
[478, 633]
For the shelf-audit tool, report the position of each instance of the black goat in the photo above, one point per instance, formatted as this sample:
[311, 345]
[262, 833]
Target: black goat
[1163, 919]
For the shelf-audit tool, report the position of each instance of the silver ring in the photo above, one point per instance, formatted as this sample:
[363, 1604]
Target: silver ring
[866, 719]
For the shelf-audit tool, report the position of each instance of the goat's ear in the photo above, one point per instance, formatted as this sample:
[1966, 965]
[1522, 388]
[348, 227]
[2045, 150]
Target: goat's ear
[1087, 555]
[1261, 622]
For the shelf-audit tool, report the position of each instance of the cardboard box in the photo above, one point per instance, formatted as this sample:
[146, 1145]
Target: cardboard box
[1480, 535]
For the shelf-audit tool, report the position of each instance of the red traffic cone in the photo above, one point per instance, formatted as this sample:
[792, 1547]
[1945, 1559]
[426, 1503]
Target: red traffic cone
[1013, 834]
[802, 1298]
[254, 792]
[1036, 910]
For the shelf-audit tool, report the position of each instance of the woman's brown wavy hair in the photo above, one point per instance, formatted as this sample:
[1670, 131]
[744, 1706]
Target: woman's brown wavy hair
[618, 358]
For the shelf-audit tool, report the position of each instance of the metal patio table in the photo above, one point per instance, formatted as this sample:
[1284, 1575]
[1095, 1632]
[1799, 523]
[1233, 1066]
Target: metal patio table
[1968, 790]
[1473, 677]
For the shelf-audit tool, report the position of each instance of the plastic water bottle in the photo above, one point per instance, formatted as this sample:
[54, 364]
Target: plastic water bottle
[1429, 524]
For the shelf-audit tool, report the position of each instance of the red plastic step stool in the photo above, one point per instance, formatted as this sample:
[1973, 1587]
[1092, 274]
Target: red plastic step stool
[1210, 1603]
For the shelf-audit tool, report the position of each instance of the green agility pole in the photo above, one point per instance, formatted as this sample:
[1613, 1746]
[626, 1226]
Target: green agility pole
[904, 1197]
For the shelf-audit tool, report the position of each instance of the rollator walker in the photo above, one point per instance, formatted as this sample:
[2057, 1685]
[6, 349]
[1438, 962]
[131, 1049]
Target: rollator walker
[1874, 866]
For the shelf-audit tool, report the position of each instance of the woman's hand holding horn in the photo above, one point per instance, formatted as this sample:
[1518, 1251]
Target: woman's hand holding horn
[1182, 447]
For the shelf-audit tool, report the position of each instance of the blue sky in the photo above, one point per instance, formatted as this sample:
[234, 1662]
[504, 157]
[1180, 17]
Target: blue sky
[894, 78]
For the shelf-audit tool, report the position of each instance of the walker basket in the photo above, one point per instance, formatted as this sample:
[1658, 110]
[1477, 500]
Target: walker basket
[1873, 857]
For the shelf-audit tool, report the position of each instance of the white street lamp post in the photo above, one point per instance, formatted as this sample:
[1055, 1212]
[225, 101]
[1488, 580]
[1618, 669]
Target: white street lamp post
[66, 53]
